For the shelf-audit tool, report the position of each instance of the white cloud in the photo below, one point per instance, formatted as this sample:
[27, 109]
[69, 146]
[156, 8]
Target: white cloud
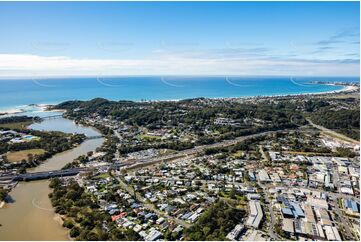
[26, 65]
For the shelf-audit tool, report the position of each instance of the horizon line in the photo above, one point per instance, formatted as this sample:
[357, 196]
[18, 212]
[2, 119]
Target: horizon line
[168, 75]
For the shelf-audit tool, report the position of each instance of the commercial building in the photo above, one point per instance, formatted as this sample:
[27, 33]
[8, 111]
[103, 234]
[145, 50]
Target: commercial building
[235, 233]
[352, 206]
[332, 233]
[263, 176]
[256, 214]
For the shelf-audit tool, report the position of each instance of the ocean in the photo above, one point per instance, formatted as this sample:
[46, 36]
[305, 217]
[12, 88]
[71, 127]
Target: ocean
[18, 93]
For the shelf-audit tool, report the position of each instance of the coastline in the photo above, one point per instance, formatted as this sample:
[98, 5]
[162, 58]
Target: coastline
[42, 108]
[46, 107]
[345, 89]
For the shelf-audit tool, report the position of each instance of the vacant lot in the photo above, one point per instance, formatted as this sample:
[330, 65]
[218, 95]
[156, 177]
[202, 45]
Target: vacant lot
[23, 154]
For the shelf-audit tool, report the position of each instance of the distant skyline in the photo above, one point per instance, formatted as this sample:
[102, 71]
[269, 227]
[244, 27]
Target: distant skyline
[179, 38]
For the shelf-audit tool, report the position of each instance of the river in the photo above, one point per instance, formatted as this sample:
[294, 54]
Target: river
[30, 216]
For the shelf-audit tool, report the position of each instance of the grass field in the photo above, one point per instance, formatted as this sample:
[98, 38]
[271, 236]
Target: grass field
[303, 153]
[103, 176]
[23, 154]
[238, 154]
[19, 125]
[149, 137]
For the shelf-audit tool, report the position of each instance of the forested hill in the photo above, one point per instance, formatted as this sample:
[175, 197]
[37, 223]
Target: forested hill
[344, 121]
[338, 114]
[195, 112]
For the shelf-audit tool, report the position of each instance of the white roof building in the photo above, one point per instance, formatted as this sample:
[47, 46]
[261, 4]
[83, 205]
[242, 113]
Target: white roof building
[317, 202]
[276, 178]
[153, 235]
[256, 214]
[263, 176]
[233, 235]
[355, 172]
[341, 161]
[332, 233]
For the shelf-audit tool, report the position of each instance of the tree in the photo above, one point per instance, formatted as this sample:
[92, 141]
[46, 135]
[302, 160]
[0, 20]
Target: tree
[92, 236]
[233, 193]
[30, 158]
[68, 223]
[345, 152]
[215, 223]
[74, 232]
[54, 183]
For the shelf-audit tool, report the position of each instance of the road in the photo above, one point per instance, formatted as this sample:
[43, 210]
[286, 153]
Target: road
[56, 173]
[343, 220]
[150, 206]
[139, 162]
[333, 133]
[117, 155]
[264, 156]
[198, 149]
[344, 223]
[338, 211]
[272, 225]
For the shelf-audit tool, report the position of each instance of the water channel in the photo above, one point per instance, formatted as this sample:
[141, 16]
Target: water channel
[29, 215]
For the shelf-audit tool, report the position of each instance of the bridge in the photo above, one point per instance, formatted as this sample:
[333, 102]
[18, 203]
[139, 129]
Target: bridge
[94, 137]
[57, 173]
[47, 174]
[52, 116]
[127, 165]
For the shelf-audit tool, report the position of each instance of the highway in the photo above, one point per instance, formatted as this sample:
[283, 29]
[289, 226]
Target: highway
[196, 150]
[57, 173]
[129, 165]
[333, 133]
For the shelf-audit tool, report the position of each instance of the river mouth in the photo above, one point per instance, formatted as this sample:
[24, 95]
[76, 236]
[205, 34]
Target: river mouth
[30, 215]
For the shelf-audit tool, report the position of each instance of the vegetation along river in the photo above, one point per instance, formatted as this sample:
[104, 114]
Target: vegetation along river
[29, 215]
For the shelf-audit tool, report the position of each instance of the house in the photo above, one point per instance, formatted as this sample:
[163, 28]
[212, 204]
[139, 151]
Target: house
[137, 228]
[160, 220]
[193, 218]
[153, 235]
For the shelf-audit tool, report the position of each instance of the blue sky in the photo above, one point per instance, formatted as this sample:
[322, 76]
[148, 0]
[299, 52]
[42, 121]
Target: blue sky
[203, 38]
